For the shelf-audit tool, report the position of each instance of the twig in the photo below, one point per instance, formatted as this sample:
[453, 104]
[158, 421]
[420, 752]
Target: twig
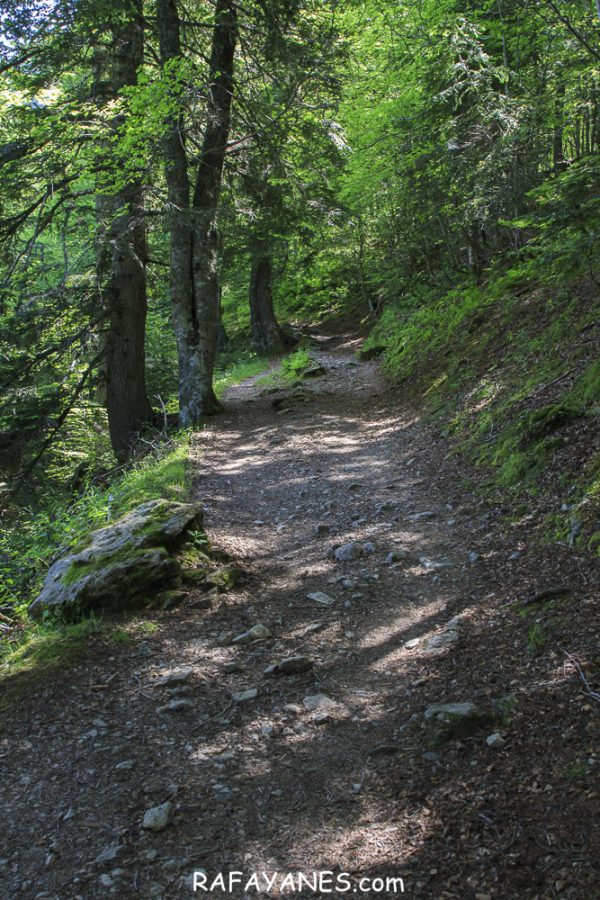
[593, 694]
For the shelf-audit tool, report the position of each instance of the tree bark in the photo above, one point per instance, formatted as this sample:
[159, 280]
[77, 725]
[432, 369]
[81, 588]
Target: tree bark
[267, 335]
[194, 284]
[206, 202]
[181, 285]
[121, 268]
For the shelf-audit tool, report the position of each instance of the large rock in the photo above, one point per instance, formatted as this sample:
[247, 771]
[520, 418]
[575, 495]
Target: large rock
[123, 565]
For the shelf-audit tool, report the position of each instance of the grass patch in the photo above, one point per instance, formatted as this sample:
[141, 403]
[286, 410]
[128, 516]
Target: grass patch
[239, 370]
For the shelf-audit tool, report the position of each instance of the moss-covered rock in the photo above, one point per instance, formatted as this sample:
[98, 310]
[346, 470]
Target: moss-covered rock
[123, 565]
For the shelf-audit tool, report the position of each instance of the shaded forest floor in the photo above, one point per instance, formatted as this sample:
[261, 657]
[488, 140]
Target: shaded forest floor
[265, 785]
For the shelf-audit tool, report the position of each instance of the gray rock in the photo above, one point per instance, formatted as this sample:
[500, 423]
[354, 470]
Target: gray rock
[293, 708]
[414, 642]
[230, 667]
[123, 565]
[176, 706]
[245, 696]
[179, 676]
[125, 766]
[256, 633]
[495, 741]
[432, 566]
[158, 817]
[318, 701]
[445, 639]
[445, 721]
[396, 556]
[349, 552]
[320, 597]
[110, 854]
[290, 666]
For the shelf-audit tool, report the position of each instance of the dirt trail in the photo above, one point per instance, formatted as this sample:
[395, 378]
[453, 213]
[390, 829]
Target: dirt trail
[264, 785]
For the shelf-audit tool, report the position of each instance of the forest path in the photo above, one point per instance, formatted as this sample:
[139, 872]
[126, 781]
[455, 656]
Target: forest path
[263, 784]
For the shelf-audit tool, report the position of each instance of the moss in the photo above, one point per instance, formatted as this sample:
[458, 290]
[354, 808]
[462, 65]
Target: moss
[545, 421]
[80, 569]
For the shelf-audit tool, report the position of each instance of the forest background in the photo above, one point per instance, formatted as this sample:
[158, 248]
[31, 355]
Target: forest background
[180, 182]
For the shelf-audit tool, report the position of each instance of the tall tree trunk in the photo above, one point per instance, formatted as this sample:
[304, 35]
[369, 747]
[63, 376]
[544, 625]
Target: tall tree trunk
[267, 336]
[194, 284]
[206, 201]
[121, 268]
[185, 321]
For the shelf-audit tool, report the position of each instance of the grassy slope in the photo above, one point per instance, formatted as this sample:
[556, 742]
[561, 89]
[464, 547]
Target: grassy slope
[28, 550]
[510, 372]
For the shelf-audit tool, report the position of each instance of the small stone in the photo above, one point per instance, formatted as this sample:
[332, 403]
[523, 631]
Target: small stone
[322, 530]
[473, 557]
[414, 642]
[125, 766]
[349, 552]
[320, 597]
[176, 706]
[318, 701]
[179, 676]
[445, 639]
[290, 666]
[369, 548]
[110, 854]
[396, 556]
[495, 741]
[105, 880]
[244, 696]
[158, 817]
[257, 633]
[293, 708]
[230, 667]
[225, 638]
[348, 583]
[266, 730]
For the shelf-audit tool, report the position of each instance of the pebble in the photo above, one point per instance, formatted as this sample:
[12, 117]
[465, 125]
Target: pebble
[293, 708]
[244, 696]
[414, 642]
[176, 706]
[442, 640]
[320, 597]
[110, 854]
[234, 666]
[180, 676]
[322, 530]
[125, 766]
[318, 701]
[256, 633]
[396, 556]
[349, 552]
[158, 817]
[495, 741]
[290, 666]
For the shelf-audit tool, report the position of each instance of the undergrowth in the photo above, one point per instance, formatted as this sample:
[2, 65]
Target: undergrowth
[508, 367]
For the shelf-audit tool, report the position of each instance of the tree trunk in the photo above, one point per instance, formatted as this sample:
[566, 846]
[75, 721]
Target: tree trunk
[185, 321]
[267, 336]
[121, 268]
[206, 202]
[194, 284]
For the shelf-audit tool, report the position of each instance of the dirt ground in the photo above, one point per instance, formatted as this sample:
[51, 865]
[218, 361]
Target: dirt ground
[354, 787]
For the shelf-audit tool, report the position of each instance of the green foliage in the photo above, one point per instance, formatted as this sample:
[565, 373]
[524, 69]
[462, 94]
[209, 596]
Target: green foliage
[293, 366]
